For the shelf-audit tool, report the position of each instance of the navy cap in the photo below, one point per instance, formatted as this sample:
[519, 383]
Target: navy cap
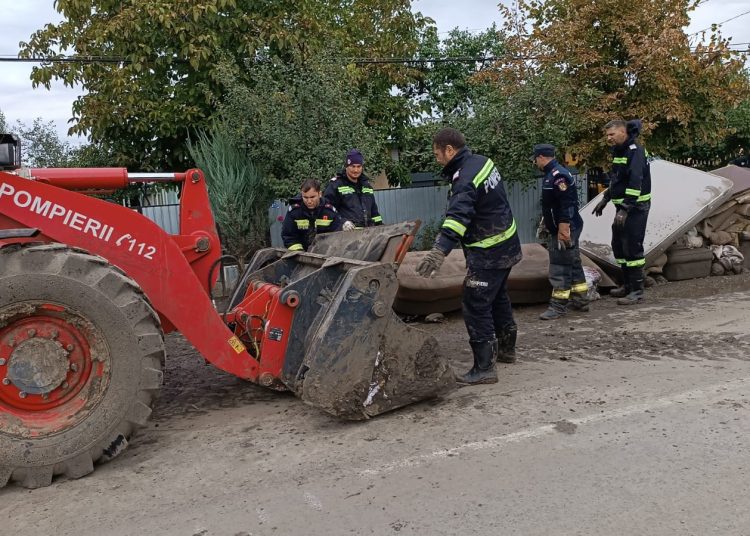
[543, 149]
[354, 157]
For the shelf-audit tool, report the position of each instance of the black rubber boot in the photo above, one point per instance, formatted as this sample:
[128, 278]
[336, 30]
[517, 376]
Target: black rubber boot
[624, 290]
[483, 371]
[579, 302]
[507, 345]
[635, 295]
[557, 309]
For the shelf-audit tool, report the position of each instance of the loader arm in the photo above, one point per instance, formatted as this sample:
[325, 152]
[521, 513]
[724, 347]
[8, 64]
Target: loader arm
[172, 270]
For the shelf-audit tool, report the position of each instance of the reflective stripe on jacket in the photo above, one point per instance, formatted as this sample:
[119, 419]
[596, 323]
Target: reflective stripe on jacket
[302, 224]
[354, 201]
[479, 216]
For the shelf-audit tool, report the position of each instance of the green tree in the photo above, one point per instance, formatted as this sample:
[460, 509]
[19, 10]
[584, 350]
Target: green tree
[162, 77]
[297, 121]
[445, 91]
[508, 123]
[41, 145]
[635, 57]
[446, 88]
[237, 189]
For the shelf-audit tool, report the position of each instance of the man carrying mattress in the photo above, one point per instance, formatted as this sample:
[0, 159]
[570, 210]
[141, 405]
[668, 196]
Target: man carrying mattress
[480, 219]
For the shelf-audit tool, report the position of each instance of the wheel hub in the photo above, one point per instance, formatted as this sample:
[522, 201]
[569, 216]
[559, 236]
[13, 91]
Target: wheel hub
[53, 368]
[38, 366]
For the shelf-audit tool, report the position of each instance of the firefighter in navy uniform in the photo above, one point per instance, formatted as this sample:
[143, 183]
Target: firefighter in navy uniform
[630, 192]
[309, 214]
[352, 194]
[480, 219]
[564, 223]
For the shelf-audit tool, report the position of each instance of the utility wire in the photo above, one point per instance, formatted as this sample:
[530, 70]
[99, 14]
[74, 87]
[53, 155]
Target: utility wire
[720, 23]
[358, 61]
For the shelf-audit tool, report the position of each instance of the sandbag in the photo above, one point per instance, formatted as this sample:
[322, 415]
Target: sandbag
[743, 210]
[719, 218]
[657, 267]
[720, 238]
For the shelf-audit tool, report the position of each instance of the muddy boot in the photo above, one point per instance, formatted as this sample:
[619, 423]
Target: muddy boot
[624, 290]
[631, 299]
[507, 345]
[557, 309]
[579, 302]
[620, 292]
[636, 288]
[483, 370]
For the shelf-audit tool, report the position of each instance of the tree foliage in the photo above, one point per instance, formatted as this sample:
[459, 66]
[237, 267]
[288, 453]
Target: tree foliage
[41, 145]
[167, 81]
[446, 87]
[297, 121]
[507, 124]
[635, 57]
[237, 189]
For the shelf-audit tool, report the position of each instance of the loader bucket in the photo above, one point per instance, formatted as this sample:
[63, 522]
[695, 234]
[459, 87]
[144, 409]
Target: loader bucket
[343, 349]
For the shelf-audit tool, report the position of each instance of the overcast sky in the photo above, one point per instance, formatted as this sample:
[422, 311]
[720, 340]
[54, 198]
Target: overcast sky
[20, 18]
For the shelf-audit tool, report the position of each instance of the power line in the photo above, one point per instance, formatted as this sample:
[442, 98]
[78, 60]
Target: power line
[358, 61]
[720, 23]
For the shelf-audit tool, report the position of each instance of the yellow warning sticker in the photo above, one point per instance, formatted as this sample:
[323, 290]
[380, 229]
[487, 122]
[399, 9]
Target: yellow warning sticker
[236, 343]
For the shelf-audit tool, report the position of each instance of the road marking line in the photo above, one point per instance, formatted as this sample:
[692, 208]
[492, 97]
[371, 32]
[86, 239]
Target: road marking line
[703, 395]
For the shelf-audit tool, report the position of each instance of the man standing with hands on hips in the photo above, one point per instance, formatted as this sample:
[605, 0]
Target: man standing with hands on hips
[480, 219]
[564, 223]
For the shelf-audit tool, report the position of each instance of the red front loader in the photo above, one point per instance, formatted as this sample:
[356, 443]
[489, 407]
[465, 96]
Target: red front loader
[89, 288]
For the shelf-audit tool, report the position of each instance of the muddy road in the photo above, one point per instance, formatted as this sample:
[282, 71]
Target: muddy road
[619, 421]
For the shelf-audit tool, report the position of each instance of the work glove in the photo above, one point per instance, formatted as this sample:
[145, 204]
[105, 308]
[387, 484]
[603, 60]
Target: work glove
[620, 218]
[431, 263]
[542, 233]
[563, 236]
[599, 208]
[348, 226]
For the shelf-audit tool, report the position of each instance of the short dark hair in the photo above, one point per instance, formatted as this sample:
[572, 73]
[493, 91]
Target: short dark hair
[448, 136]
[616, 123]
[310, 184]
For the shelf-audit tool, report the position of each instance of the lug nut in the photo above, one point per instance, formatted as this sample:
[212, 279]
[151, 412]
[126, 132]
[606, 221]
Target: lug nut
[32, 333]
[45, 396]
[6, 381]
[2, 362]
[69, 348]
[74, 367]
[54, 333]
[64, 385]
[22, 394]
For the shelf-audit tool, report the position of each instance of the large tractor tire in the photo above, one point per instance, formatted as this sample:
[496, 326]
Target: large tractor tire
[81, 357]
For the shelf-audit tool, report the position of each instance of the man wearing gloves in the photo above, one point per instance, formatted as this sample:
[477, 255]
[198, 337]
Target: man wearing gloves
[630, 192]
[480, 219]
[352, 195]
[564, 223]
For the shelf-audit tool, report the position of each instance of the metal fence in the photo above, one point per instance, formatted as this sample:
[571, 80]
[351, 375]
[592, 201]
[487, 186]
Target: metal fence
[397, 204]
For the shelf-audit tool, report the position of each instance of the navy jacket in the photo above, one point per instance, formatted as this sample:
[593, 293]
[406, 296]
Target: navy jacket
[479, 215]
[559, 198]
[302, 224]
[630, 178]
[354, 201]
